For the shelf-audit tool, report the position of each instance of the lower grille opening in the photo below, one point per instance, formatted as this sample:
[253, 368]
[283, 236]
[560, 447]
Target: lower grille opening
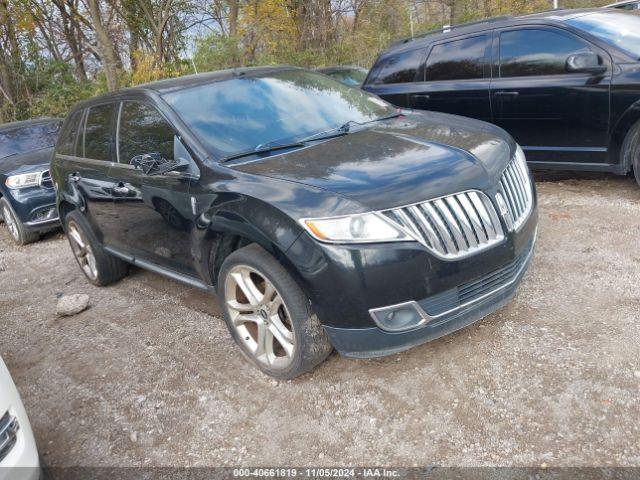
[475, 289]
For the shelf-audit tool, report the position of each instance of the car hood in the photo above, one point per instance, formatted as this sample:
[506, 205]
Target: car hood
[405, 160]
[26, 162]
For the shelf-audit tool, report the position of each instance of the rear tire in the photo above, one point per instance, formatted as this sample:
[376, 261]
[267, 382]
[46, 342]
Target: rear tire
[269, 316]
[100, 267]
[630, 152]
[19, 234]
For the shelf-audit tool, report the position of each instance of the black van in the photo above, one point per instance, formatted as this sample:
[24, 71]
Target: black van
[565, 84]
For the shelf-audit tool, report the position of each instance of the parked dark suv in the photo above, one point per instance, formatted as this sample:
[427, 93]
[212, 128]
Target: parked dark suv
[322, 215]
[565, 84]
[27, 199]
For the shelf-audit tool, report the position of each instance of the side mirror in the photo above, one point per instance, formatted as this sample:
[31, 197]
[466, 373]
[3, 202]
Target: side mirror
[153, 163]
[587, 62]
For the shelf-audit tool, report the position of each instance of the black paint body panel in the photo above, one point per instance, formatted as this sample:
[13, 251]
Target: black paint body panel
[571, 121]
[411, 158]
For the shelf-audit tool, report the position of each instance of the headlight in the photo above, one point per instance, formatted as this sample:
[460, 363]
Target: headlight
[362, 228]
[23, 180]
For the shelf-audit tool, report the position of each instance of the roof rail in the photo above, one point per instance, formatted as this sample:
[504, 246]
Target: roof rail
[448, 28]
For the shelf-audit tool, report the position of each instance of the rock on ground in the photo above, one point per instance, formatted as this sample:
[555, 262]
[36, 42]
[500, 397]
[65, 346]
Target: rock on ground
[72, 304]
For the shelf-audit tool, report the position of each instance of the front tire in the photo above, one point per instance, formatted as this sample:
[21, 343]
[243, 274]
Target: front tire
[17, 230]
[98, 266]
[269, 316]
[630, 151]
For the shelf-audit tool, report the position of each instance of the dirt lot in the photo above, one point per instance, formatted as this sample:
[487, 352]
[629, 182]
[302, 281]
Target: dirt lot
[149, 376]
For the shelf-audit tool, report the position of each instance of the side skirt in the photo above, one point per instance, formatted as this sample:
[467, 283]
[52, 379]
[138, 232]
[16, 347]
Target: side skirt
[166, 272]
[581, 167]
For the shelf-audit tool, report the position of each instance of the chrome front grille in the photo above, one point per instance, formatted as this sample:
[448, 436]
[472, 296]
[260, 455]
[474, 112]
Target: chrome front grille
[8, 434]
[45, 179]
[515, 197]
[453, 226]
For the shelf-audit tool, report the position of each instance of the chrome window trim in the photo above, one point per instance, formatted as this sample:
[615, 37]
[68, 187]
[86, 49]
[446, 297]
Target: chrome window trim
[120, 104]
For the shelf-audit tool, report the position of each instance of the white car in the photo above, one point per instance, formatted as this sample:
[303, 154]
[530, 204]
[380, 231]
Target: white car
[18, 453]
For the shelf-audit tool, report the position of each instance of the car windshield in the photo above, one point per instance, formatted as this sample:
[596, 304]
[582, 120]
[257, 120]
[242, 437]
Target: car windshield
[244, 113]
[352, 77]
[28, 139]
[616, 28]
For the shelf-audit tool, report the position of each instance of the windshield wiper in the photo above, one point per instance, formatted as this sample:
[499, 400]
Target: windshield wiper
[262, 148]
[332, 132]
[345, 128]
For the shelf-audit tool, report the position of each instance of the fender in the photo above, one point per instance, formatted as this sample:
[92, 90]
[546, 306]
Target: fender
[232, 221]
[233, 208]
[618, 132]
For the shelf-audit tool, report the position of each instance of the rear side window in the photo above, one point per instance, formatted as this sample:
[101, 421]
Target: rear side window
[400, 68]
[536, 52]
[67, 141]
[458, 60]
[143, 130]
[97, 132]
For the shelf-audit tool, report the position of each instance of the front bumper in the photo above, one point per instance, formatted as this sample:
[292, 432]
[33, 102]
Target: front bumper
[346, 284]
[35, 207]
[375, 342]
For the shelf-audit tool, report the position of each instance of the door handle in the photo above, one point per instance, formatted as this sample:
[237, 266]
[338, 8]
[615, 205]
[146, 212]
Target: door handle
[75, 177]
[121, 189]
[502, 93]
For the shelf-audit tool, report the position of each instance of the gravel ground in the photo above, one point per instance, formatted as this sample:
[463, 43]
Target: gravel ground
[148, 375]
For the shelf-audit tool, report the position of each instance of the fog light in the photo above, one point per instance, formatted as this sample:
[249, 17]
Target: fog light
[397, 318]
[44, 215]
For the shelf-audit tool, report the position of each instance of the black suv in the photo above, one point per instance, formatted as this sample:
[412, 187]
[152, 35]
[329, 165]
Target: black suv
[565, 84]
[27, 199]
[323, 216]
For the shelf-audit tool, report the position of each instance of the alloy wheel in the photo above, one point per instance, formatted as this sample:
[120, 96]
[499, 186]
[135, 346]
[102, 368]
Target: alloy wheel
[260, 317]
[11, 223]
[82, 250]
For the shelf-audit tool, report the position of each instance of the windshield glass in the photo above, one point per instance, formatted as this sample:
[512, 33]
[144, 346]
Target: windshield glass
[352, 77]
[28, 139]
[616, 28]
[243, 113]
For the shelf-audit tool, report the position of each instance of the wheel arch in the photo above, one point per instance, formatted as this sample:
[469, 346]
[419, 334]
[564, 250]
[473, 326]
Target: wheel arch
[64, 208]
[626, 121]
[242, 222]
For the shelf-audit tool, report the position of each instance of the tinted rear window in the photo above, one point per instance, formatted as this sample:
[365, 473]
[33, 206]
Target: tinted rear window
[400, 68]
[67, 141]
[97, 133]
[28, 139]
[457, 60]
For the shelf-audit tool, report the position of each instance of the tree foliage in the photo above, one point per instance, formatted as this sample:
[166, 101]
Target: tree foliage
[56, 52]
